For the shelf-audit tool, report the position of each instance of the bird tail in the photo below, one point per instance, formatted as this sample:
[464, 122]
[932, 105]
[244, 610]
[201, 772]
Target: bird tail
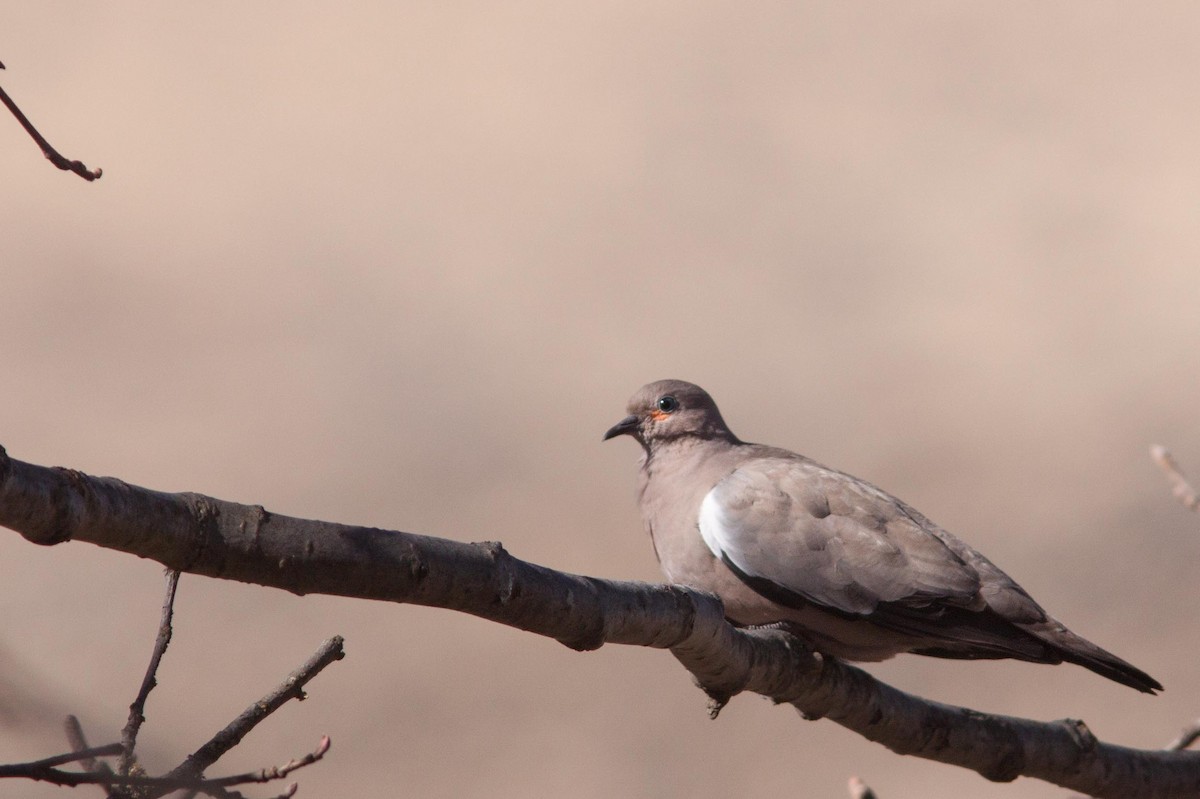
[988, 635]
[1082, 652]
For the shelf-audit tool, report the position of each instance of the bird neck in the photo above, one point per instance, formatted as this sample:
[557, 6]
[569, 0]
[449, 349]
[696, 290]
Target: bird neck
[685, 443]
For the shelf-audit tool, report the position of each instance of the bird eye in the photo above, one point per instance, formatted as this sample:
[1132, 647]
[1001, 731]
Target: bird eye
[667, 404]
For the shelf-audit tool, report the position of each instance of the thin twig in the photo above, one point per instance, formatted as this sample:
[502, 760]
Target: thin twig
[23, 769]
[137, 709]
[53, 155]
[273, 773]
[1186, 738]
[1180, 487]
[1187, 496]
[289, 793]
[860, 790]
[79, 743]
[45, 771]
[291, 688]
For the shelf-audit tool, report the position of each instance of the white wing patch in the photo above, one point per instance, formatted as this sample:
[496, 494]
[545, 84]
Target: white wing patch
[712, 525]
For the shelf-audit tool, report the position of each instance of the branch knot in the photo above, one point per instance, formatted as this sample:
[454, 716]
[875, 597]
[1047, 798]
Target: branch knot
[204, 533]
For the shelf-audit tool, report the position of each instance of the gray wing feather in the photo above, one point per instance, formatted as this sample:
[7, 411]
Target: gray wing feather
[832, 539]
[792, 528]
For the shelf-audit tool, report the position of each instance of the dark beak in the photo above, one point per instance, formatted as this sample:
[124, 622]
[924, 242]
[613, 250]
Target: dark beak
[626, 427]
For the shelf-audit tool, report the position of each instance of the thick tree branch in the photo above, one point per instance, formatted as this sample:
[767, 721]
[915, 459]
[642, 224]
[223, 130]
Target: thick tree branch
[203, 535]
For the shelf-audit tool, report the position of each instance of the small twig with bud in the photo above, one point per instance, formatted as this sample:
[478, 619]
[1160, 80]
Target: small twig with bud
[860, 790]
[291, 688]
[1180, 487]
[53, 155]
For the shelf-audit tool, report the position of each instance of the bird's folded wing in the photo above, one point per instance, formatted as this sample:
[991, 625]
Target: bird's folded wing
[793, 529]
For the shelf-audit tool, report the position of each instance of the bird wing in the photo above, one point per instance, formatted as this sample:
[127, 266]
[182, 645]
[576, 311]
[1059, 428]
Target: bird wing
[799, 532]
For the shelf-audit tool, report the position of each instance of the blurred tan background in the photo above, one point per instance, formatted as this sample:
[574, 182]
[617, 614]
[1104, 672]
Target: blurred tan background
[402, 264]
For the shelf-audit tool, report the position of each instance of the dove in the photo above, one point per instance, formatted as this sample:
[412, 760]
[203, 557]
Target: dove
[855, 572]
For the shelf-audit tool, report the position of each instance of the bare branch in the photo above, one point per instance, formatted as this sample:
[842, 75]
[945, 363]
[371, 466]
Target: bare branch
[44, 771]
[291, 688]
[268, 774]
[189, 774]
[138, 707]
[23, 769]
[289, 793]
[859, 789]
[203, 535]
[1185, 738]
[1180, 487]
[78, 742]
[1182, 491]
[53, 155]
[75, 737]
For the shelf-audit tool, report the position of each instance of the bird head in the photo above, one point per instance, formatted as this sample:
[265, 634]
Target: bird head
[670, 409]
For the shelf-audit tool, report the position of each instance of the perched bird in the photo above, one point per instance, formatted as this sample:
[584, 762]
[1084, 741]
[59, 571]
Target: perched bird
[857, 573]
